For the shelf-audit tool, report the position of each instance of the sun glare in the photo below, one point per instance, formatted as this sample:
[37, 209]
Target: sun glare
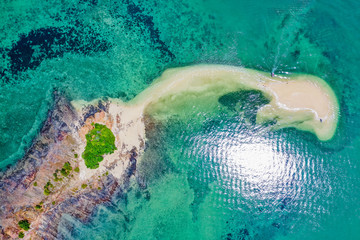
[260, 165]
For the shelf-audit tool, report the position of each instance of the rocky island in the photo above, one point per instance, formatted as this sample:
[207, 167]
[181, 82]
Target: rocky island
[52, 178]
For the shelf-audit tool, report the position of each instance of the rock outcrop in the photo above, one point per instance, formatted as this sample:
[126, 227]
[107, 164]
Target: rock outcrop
[61, 140]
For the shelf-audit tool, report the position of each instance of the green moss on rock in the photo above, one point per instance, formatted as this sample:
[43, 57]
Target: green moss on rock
[24, 224]
[99, 141]
[47, 188]
[66, 169]
[67, 166]
[56, 178]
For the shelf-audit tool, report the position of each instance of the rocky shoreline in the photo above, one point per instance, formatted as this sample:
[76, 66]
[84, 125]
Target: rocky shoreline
[61, 140]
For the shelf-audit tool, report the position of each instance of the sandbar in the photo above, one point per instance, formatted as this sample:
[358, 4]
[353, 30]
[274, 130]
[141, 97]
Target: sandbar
[301, 101]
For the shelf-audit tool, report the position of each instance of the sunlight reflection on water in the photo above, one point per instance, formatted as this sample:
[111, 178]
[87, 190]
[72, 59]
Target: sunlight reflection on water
[261, 169]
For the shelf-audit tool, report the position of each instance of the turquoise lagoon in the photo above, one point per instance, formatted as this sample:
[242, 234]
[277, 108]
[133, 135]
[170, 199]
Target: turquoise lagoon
[213, 174]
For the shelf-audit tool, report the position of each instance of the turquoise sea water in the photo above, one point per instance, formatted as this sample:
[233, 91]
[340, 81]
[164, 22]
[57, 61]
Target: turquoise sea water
[215, 174]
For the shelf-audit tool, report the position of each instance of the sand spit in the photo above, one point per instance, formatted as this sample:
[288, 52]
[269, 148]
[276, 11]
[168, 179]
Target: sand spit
[302, 101]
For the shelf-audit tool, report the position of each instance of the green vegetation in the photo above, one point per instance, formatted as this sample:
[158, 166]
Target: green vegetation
[76, 155]
[56, 179]
[53, 202]
[39, 206]
[67, 166]
[21, 235]
[35, 184]
[77, 169]
[99, 188]
[65, 171]
[83, 186]
[24, 224]
[99, 141]
[47, 187]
